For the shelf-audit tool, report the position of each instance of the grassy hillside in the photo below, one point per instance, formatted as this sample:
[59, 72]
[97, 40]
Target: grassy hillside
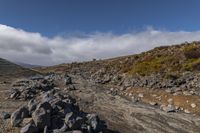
[166, 60]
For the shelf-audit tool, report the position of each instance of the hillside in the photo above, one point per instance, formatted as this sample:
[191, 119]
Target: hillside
[9, 70]
[164, 60]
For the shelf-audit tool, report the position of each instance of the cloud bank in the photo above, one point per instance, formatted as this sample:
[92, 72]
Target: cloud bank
[33, 48]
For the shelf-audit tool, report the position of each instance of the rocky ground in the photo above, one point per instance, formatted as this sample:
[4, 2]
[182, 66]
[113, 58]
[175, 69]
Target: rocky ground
[73, 103]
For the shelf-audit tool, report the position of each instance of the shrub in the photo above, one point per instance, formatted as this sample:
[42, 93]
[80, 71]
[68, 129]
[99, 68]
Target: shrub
[153, 65]
[192, 51]
[191, 64]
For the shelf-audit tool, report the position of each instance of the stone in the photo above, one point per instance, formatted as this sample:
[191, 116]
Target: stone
[71, 87]
[93, 121]
[32, 104]
[5, 115]
[15, 94]
[57, 121]
[18, 116]
[41, 117]
[70, 119]
[46, 97]
[141, 95]
[135, 99]
[169, 108]
[37, 77]
[193, 105]
[186, 111]
[29, 128]
[46, 106]
[46, 130]
[170, 101]
[187, 93]
[68, 80]
[153, 103]
[77, 131]
[64, 128]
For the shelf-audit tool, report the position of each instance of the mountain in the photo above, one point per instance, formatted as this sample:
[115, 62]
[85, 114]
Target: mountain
[10, 70]
[25, 65]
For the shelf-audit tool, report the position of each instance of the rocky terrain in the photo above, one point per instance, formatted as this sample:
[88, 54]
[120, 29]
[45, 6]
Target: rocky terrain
[155, 91]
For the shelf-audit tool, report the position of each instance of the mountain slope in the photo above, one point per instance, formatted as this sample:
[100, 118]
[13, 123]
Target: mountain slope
[10, 70]
[163, 60]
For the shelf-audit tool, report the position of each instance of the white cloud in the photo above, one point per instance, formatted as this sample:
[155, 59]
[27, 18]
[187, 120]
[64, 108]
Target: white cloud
[33, 48]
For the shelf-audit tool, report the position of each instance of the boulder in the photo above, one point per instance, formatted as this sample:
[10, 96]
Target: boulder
[29, 128]
[93, 121]
[42, 115]
[46, 130]
[46, 106]
[18, 116]
[15, 94]
[70, 119]
[74, 122]
[68, 80]
[169, 108]
[5, 115]
[32, 104]
[57, 121]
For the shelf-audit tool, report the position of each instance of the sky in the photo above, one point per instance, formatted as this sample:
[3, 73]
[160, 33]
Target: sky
[49, 32]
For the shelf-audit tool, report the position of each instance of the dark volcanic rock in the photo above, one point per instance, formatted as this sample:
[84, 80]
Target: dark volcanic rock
[32, 104]
[18, 116]
[41, 118]
[29, 128]
[68, 80]
[5, 115]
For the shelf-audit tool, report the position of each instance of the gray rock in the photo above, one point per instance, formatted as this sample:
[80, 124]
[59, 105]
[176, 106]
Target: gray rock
[71, 87]
[93, 121]
[77, 131]
[57, 121]
[46, 106]
[5, 115]
[32, 104]
[64, 128]
[70, 119]
[153, 103]
[46, 97]
[37, 77]
[41, 117]
[29, 128]
[18, 116]
[46, 130]
[68, 80]
[15, 94]
[169, 108]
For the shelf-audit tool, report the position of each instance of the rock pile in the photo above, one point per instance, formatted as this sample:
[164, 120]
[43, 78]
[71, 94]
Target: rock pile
[51, 110]
[187, 84]
[28, 88]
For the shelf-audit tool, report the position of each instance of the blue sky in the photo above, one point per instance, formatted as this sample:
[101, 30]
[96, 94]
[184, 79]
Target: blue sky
[49, 32]
[57, 17]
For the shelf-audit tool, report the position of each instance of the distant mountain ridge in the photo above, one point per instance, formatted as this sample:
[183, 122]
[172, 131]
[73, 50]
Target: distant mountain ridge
[25, 65]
